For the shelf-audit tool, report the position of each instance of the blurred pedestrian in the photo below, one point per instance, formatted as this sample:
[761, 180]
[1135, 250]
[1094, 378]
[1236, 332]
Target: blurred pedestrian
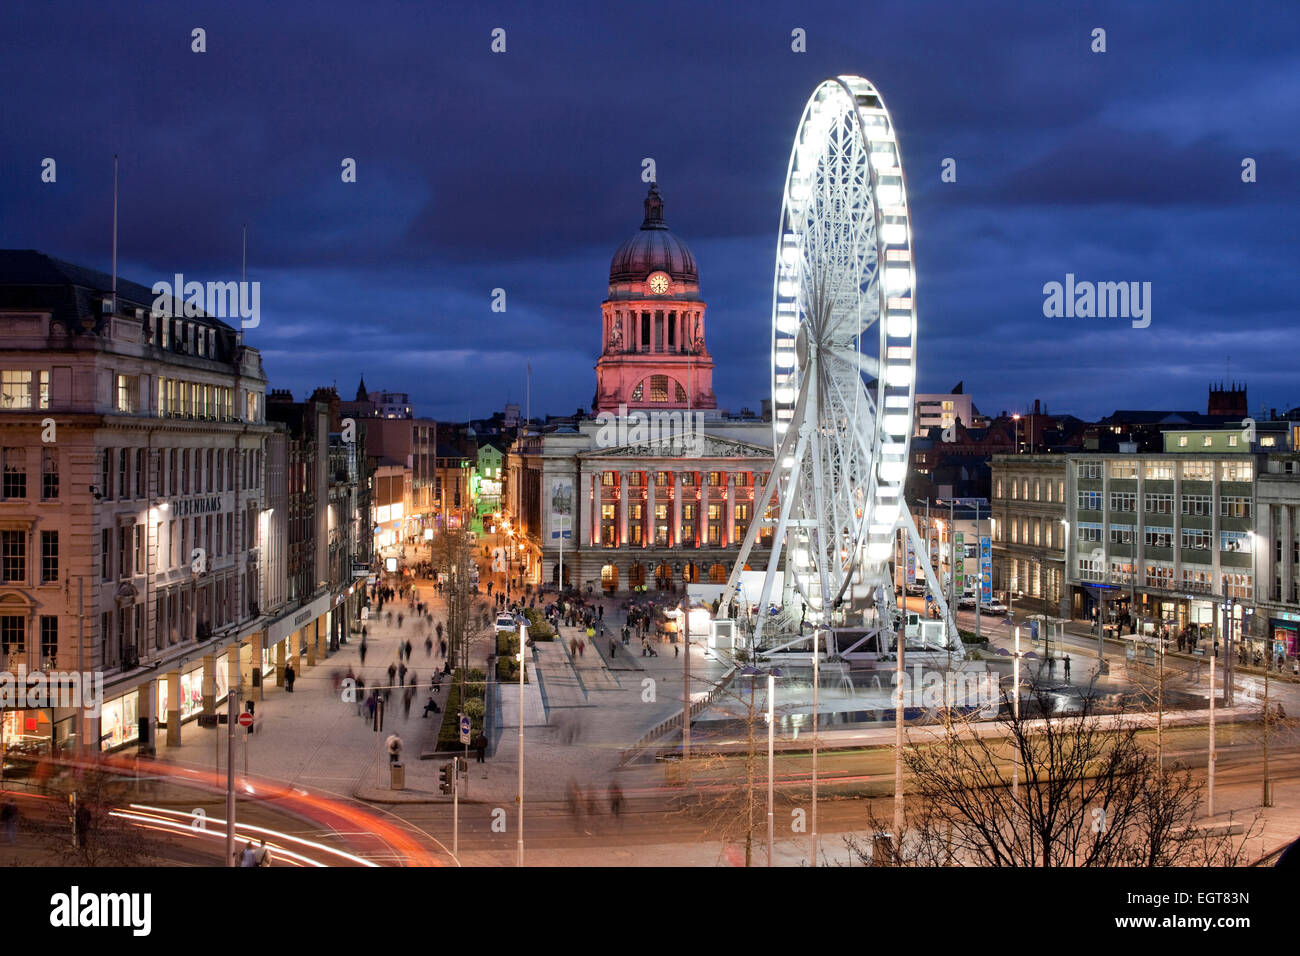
[289, 676]
[9, 820]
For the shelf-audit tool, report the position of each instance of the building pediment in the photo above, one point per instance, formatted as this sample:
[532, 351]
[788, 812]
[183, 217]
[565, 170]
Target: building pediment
[683, 446]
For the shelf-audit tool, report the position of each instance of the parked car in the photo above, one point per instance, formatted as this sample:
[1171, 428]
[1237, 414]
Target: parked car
[916, 588]
[966, 601]
[992, 606]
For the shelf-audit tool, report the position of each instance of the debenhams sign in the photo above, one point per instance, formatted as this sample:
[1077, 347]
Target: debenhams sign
[184, 507]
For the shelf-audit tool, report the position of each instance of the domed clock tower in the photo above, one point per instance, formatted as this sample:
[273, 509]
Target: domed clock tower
[652, 331]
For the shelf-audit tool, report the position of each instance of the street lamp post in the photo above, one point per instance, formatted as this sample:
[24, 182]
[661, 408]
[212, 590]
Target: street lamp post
[686, 691]
[816, 683]
[1212, 756]
[523, 635]
[771, 741]
[1015, 711]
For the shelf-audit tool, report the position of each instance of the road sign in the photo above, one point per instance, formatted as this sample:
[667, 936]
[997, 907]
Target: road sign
[245, 720]
[464, 728]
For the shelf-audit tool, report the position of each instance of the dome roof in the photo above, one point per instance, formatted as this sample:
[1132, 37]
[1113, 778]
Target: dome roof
[653, 248]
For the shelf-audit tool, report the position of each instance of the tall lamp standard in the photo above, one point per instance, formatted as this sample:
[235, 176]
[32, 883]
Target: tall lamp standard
[771, 675]
[1016, 418]
[523, 636]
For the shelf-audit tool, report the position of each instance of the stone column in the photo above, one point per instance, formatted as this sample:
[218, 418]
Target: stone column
[623, 501]
[209, 683]
[173, 679]
[1216, 584]
[1288, 553]
[322, 633]
[675, 510]
[308, 634]
[652, 500]
[232, 673]
[279, 663]
[729, 509]
[256, 643]
[148, 712]
[1176, 539]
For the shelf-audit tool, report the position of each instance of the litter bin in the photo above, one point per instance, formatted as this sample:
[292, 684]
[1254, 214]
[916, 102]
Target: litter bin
[397, 776]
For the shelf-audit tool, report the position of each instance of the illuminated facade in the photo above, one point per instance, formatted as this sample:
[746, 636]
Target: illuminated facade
[653, 353]
[657, 489]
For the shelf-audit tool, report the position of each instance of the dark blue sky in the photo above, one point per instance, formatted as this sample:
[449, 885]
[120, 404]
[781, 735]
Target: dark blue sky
[522, 171]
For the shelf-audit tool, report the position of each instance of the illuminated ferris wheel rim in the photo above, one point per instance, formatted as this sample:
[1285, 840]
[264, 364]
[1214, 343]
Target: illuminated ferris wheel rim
[844, 263]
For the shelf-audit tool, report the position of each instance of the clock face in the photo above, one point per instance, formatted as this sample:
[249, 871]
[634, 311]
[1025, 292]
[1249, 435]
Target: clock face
[658, 283]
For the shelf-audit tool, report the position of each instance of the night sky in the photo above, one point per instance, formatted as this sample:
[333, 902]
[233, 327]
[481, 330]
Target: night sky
[522, 171]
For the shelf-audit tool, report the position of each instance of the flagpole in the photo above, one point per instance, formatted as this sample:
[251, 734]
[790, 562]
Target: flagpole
[115, 232]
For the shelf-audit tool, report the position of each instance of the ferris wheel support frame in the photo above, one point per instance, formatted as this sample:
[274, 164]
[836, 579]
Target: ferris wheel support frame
[798, 438]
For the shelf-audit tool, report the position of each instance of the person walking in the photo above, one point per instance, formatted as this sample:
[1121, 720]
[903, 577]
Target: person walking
[1067, 666]
[480, 746]
[428, 647]
[248, 856]
[263, 854]
[392, 673]
[289, 675]
[372, 704]
[401, 674]
[9, 820]
[408, 649]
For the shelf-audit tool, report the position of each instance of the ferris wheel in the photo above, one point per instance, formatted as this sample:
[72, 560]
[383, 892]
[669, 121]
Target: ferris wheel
[843, 361]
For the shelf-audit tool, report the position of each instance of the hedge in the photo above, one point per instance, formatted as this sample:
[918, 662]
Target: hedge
[538, 629]
[508, 670]
[449, 732]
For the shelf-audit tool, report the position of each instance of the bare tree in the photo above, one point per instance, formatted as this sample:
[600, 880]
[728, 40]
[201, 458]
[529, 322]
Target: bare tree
[90, 794]
[728, 803]
[452, 554]
[1090, 794]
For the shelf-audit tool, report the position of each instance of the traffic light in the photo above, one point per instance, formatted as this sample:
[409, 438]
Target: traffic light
[448, 777]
